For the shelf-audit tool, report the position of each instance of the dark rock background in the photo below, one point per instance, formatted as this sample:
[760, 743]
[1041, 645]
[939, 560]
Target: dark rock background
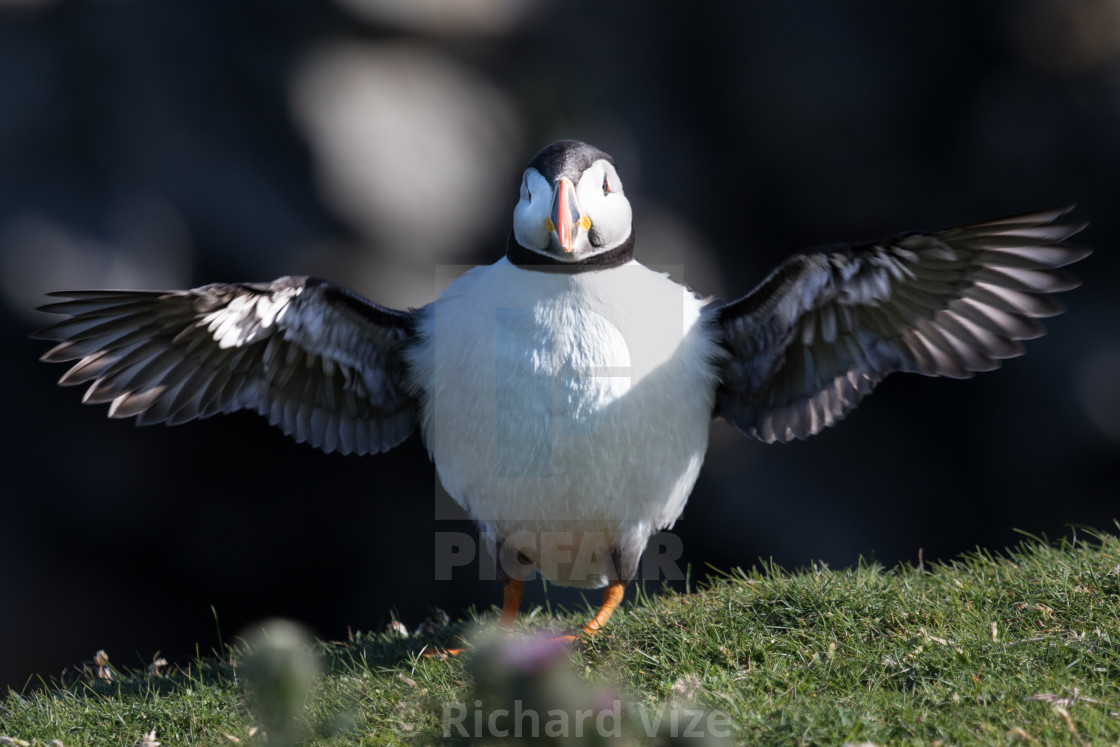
[380, 143]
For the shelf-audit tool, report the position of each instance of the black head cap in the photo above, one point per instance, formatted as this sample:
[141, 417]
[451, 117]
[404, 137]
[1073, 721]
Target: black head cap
[568, 158]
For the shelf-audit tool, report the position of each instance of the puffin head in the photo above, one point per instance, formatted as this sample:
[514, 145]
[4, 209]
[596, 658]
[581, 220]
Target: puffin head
[572, 207]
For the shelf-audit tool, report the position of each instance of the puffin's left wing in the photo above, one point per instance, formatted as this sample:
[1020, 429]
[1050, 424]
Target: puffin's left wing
[823, 329]
[319, 361]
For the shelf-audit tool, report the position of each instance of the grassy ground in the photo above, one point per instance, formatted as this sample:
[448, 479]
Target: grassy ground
[1020, 648]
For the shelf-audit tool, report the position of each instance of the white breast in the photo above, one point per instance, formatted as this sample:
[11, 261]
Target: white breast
[567, 403]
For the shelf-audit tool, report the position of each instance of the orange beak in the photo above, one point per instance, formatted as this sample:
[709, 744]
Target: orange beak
[565, 213]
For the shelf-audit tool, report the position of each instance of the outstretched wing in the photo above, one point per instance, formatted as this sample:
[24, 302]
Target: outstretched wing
[317, 360]
[823, 329]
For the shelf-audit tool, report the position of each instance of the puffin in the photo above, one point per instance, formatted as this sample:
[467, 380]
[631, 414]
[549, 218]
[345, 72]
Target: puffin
[565, 392]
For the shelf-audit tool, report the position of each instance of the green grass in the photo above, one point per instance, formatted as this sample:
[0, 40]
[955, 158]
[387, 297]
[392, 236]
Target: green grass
[990, 649]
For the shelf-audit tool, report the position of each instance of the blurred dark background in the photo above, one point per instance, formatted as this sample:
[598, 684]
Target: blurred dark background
[380, 142]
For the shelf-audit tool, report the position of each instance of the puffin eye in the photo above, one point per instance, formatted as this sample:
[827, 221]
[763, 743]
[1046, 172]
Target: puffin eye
[606, 186]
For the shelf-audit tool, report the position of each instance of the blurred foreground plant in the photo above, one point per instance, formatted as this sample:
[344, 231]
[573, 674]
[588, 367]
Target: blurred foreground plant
[527, 689]
[279, 669]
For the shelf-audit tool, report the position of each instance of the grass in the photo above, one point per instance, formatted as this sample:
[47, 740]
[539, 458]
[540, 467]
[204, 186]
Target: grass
[1020, 648]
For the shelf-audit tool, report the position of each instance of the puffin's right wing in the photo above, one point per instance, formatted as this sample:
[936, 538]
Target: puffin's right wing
[823, 329]
[316, 359]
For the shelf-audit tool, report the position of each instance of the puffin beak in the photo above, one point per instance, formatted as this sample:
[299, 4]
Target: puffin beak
[565, 214]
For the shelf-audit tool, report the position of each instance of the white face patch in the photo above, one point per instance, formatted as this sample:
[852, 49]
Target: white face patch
[531, 213]
[601, 198]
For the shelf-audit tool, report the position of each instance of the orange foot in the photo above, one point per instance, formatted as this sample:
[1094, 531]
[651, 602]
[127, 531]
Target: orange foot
[612, 597]
[510, 604]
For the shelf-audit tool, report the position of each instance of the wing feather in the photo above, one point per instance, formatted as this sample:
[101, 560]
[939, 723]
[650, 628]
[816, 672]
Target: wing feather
[816, 336]
[314, 358]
